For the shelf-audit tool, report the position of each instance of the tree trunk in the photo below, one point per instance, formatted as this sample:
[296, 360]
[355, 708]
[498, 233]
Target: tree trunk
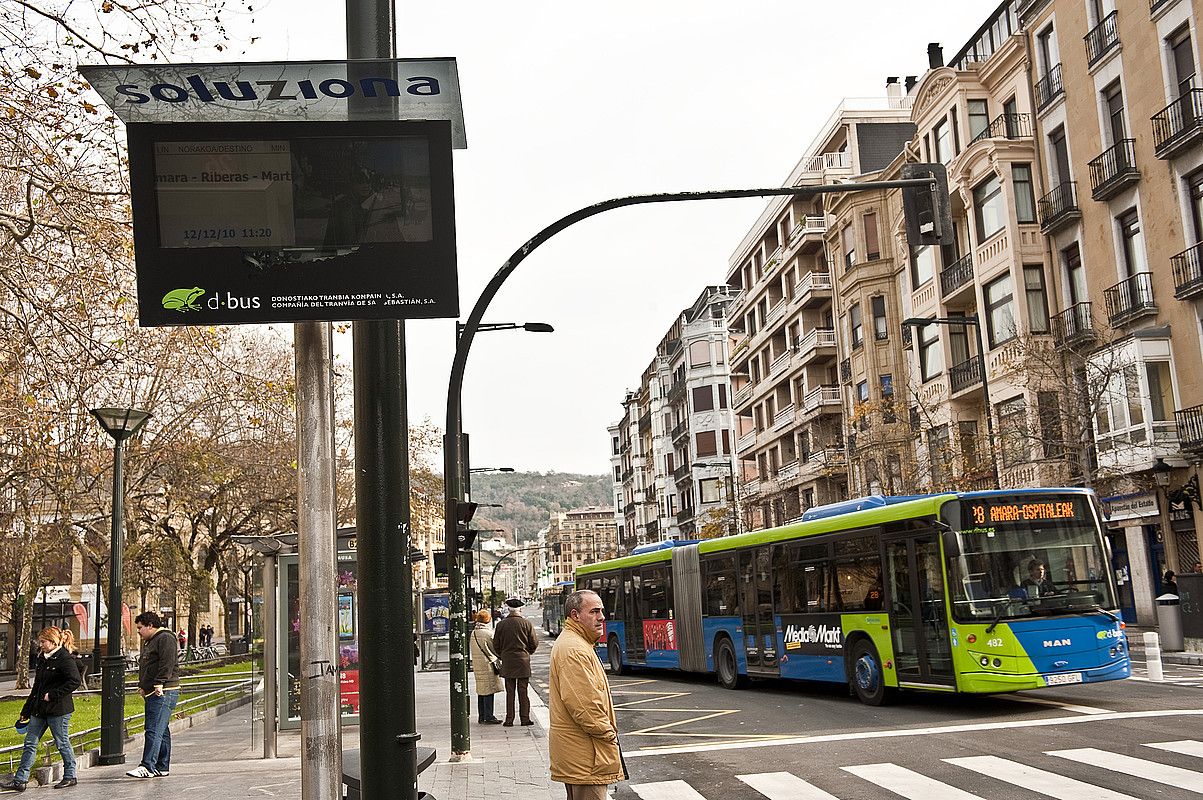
[25, 637]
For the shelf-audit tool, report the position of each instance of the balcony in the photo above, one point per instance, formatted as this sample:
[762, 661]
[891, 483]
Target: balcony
[807, 235]
[1102, 39]
[781, 362]
[965, 375]
[784, 418]
[627, 474]
[813, 290]
[1114, 170]
[750, 488]
[956, 275]
[645, 422]
[1130, 299]
[827, 161]
[1190, 428]
[628, 509]
[775, 313]
[1006, 126]
[788, 472]
[1188, 272]
[684, 515]
[746, 442]
[1049, 88]
[1179, 125]
[1073, 325]
[680, 431]
[676, 392]
[818, 343]
[1059, 207]
[820, 397]
[742, 395]
[682, 472]
[846, 370]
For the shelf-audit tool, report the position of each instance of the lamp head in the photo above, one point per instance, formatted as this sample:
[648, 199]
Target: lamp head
[120, 423]
[1161, 473]
[537, 327]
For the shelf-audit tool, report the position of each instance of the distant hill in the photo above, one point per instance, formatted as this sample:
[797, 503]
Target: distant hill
[528, 498]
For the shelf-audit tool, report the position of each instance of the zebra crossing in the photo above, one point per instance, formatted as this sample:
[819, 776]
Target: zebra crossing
[1149, 776]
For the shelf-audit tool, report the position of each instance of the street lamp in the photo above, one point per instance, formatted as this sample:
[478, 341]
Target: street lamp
[970, 321]
[121, 424]
[734, 494]
[455, 482]
[478, 470]
[1161, 475]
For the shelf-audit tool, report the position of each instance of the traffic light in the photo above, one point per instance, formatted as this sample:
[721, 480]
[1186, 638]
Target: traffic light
[926, 208]
[464, 539]
[464, 511]
[557, 548]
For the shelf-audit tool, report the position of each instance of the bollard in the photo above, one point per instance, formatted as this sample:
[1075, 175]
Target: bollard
[1153, 657]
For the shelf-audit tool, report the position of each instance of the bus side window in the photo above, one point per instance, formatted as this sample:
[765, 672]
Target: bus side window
[787, 588]
[859, 583]
[815, 576]
[721, 592]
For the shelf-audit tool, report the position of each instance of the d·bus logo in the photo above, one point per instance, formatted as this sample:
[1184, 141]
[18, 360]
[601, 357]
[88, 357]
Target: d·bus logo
[185, 300]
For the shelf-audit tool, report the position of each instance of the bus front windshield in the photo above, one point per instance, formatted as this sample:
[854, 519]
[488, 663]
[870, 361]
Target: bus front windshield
[1020, 559]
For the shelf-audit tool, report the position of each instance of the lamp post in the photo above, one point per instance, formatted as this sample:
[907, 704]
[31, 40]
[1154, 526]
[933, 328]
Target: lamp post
[120, 424]
[970, 321]
[733, 496]
[98, 563]
[455, 481]
[1161, 474]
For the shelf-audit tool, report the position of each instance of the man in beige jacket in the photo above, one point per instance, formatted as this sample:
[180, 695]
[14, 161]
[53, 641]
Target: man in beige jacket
[583, 741]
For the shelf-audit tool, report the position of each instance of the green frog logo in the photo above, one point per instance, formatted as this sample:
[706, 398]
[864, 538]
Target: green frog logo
[183, 300]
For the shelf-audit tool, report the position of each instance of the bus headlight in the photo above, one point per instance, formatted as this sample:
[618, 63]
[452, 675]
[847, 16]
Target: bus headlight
[985, 661]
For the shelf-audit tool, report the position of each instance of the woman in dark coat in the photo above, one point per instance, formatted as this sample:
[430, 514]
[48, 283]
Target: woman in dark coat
[49, 705]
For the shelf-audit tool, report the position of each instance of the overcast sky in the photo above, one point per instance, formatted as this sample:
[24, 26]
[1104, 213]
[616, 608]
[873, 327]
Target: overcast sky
[567, 104]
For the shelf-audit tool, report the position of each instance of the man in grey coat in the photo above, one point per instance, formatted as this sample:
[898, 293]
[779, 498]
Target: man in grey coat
[514, 641]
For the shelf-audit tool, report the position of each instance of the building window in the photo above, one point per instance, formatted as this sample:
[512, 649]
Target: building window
[1037, 298]
[1133, 244]
[942, 141]
[1048, 409]
[1113, 99]
[1025, 197]
[1182, 57]
[989, 208]
[923, 266]
[967, 434]
[862, 392]
[703, 398]
[887, 398]
[1161, 391]
[1012, 431]
[872, 242]
[722, 395]
[979, 118]
[1000, 311]
[938, 454]
[931, 357]
[699, 354]
[706, 443]
[856, 325]
[849, 240]
[1075, 274]
[726, 442]
[880, 332]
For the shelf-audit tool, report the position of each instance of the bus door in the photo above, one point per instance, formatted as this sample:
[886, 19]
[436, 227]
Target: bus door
[756, 604]
[632, 623]
[918, 616]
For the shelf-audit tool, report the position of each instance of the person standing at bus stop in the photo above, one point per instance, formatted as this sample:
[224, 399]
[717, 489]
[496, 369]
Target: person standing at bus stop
[159, 685]
[583, 739]
[514, 641]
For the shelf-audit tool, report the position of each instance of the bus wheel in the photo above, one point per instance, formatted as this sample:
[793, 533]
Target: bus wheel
[614, 655]
[727, 667]
[868, 681]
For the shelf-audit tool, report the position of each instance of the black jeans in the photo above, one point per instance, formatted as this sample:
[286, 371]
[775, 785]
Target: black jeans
[517, 686]
[484, 706]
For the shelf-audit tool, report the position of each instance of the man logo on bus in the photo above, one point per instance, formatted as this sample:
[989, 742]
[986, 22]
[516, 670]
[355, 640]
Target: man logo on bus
[1057, 642]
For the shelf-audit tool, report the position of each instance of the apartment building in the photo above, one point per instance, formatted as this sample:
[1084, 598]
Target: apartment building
[785, 363]
[580, 536]
[1119, 132]
[672, 451]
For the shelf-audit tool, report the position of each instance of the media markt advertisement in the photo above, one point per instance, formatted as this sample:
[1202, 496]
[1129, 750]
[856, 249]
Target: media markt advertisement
[436, 613]
[812, 634]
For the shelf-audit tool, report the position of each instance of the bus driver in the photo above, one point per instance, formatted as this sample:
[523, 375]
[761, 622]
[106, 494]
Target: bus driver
[1038, 583]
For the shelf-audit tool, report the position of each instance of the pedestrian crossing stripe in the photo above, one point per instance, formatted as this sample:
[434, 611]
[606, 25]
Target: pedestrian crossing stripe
[914, 785]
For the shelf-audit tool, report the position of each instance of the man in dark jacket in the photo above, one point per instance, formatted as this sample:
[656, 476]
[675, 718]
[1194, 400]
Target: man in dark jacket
[159, 684]
[515, 640]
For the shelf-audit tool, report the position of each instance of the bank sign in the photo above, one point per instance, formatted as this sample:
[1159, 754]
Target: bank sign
[292, 191]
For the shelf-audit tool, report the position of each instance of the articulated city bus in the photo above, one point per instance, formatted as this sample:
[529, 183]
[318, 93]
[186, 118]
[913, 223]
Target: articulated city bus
[983, 592]
[553, 606]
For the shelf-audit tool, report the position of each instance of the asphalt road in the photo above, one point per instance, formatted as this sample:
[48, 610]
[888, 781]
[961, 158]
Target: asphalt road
[686, 739]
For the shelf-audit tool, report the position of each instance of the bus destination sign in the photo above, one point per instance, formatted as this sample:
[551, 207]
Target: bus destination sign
[987, 512]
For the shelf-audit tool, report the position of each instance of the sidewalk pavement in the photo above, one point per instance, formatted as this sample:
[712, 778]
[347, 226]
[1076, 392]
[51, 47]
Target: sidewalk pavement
[220, 759]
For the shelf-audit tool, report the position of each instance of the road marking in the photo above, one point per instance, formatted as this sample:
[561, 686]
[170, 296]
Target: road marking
[784, 786]
[905, 732]
[1036, 780]
[666, 790]
[1149, 770]
[1186, 747]
[654, 697]
[1044, 701]
[908, 783]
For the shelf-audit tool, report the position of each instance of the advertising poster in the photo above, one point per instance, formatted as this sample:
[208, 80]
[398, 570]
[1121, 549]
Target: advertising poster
[812, 634]
[436, 613]
[346, 616]
[659, 634]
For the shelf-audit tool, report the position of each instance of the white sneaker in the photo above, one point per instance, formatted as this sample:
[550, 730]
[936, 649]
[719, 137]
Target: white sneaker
[162, 773]
[140, 772]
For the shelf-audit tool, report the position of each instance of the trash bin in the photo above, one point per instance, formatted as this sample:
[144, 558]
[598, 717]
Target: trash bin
[240, 647]
[1169, 622]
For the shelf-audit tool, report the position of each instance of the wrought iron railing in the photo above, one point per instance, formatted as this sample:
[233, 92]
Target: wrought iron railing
[846, 370]
[957, 274]
[1050, 87]
[1130, 298]
[1190, 427]
[966, 374]
[1006, 126]
[1188, 272]
[1112, 168]
[1102, 38]
[1057, 205]
[1177, 121]
[1073, 324]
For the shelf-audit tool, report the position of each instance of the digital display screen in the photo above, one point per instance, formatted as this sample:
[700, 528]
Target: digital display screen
[320, 192]
[991, 512]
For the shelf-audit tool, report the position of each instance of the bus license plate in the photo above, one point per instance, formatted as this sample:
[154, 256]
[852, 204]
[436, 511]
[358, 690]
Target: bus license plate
[1061, 680]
